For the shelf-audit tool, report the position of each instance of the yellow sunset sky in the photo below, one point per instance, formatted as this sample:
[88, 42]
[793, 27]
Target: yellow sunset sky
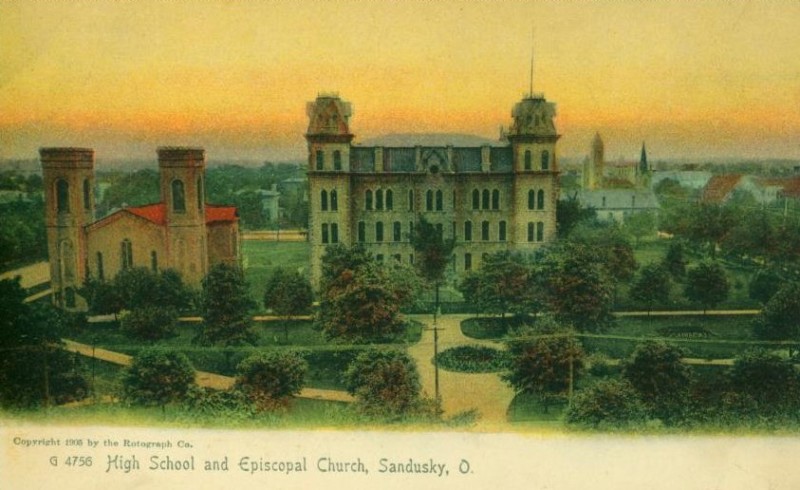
[691, 79]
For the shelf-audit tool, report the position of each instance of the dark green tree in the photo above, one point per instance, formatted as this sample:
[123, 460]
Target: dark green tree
[652, 286]
[570, 213]
[158, 377]
[780, 318]
[432, 252]
[385, 382]
[226, 308]
[771, 382]
[150, 323]
[270, 379]
[706, 285]
[660, 378]
[608, 403]
[544, 361]
[641, 225]
[674, 261]
[505, 283]
[34, 368]
[288, 294]
[764, 284]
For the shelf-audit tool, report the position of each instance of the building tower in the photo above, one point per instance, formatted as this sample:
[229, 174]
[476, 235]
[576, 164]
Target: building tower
[533, 140]
[594, 169]
[68, 175]
[182, 176]
[328, 138]
[643, 170]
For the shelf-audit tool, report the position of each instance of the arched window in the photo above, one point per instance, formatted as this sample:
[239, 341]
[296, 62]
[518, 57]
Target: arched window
[379, 199]
[100, 270]
[87, 195]
[545, 160]
[178, 196]
[396, 231]
[528, 160]
[154, 261]
[531, 199]
[411, 199]
[540, 231]
[485, 201]
[62, 196]
[468, 231]
[334, 201]
[126, 252]
[337, 160]
[325, 237]
[501, 235]
[484, 230]
[201, 194]
[334, 233]
[530, 231]
[379, 231]
[476, 199]
[389, 200]
[495, 199]
[368, 201]
[439, 199]
[323, 200]
[362, 232]
[468, 262]
[320, 159]
[540, 199]
[429, 200]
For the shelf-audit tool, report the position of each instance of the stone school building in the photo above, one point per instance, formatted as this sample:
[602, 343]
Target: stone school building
[181, 232]
[488, 198]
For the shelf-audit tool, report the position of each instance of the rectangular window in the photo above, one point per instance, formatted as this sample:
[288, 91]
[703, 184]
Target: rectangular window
[324, 232]
[334, 233]
[320, 159]
[362, 232]
[530, 231]
[502, 231]
[468, 231]
[396, 231]
[539, 231]
[467, 262]
[485, 230]
[379, 231]
[154, 261]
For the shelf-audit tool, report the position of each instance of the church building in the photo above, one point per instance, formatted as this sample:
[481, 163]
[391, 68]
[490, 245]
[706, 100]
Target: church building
[488, 198]
[181, 232]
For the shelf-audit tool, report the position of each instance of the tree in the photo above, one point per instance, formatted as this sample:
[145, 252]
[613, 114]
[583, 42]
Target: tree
[288, 294]
[505, 283]
[270, 379]
[707, 285]
[226, 308]
[150, 323]
[34, 369]
[656, 372]
[609, 247]
[652, 286]
[385, 382]
[780, 318]
[611, 403]
[433, 253]
[763, 286]
[768, 380]
[158, 377]
[544, 361]
[640, 225]
[570, 213]
[136, 288]
[674, 261]
[359, 302]
[579, 289]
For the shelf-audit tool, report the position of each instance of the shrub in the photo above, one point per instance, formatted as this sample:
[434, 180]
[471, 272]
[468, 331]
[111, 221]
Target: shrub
[660, 378]
[472, 359]
[158, 377]
[771, 382]
[150, 323]
[230, 404]
[611, 403]
[385, 382]
[271, 379]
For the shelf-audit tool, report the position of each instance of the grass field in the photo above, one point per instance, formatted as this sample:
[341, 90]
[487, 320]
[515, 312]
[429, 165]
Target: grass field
[262, 257]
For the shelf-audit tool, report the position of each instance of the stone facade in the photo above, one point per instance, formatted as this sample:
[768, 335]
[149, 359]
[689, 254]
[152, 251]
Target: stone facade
[489, 198]
[182, 232]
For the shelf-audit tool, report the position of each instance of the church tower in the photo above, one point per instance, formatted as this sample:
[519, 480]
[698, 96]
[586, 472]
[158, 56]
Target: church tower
[68, 175]
[182, 176]
[533, 140]
[328, 138]
[595, 170]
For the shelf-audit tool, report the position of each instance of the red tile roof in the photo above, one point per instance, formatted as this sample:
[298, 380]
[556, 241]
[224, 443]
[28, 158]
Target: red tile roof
[790, 187]
[157, 213]
[220, 213]
[720, 186]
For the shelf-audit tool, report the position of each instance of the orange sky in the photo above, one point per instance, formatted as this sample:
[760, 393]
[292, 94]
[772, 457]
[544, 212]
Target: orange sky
[709, 80]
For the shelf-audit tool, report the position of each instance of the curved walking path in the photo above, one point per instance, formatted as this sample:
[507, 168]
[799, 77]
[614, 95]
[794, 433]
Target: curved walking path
[485, 393]
[203, 378]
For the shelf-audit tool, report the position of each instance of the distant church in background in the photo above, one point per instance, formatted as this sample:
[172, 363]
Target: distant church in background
[181, 232]
[488, 198]
[616, 189]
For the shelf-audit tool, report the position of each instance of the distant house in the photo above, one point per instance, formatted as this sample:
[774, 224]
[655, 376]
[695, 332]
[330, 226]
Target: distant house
[269, 202]
[691, 179]
[618, 204]
[721, 188]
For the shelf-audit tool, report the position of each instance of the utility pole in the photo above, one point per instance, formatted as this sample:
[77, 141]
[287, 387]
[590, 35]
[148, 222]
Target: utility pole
[571, 380]
[436, 351]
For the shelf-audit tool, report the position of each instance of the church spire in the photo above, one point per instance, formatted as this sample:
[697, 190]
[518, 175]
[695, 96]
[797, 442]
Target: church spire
[643, 165]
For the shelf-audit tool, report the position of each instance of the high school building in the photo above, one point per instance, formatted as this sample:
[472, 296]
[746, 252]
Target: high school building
[489, 198]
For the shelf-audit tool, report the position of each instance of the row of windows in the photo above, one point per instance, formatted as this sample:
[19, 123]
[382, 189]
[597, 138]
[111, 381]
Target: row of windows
[126, 259]
[334, 200]
[320, 160]
[62, 195]
[330, 233]
[535, 199]
[379, 203]
[535, 231]
[481, 200]
[544, 159]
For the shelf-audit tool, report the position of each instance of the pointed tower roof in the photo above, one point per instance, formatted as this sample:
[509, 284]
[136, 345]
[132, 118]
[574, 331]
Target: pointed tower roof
[597, 142]
[643, 165]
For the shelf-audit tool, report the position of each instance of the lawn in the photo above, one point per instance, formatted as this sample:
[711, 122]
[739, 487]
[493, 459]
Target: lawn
[262, 257]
